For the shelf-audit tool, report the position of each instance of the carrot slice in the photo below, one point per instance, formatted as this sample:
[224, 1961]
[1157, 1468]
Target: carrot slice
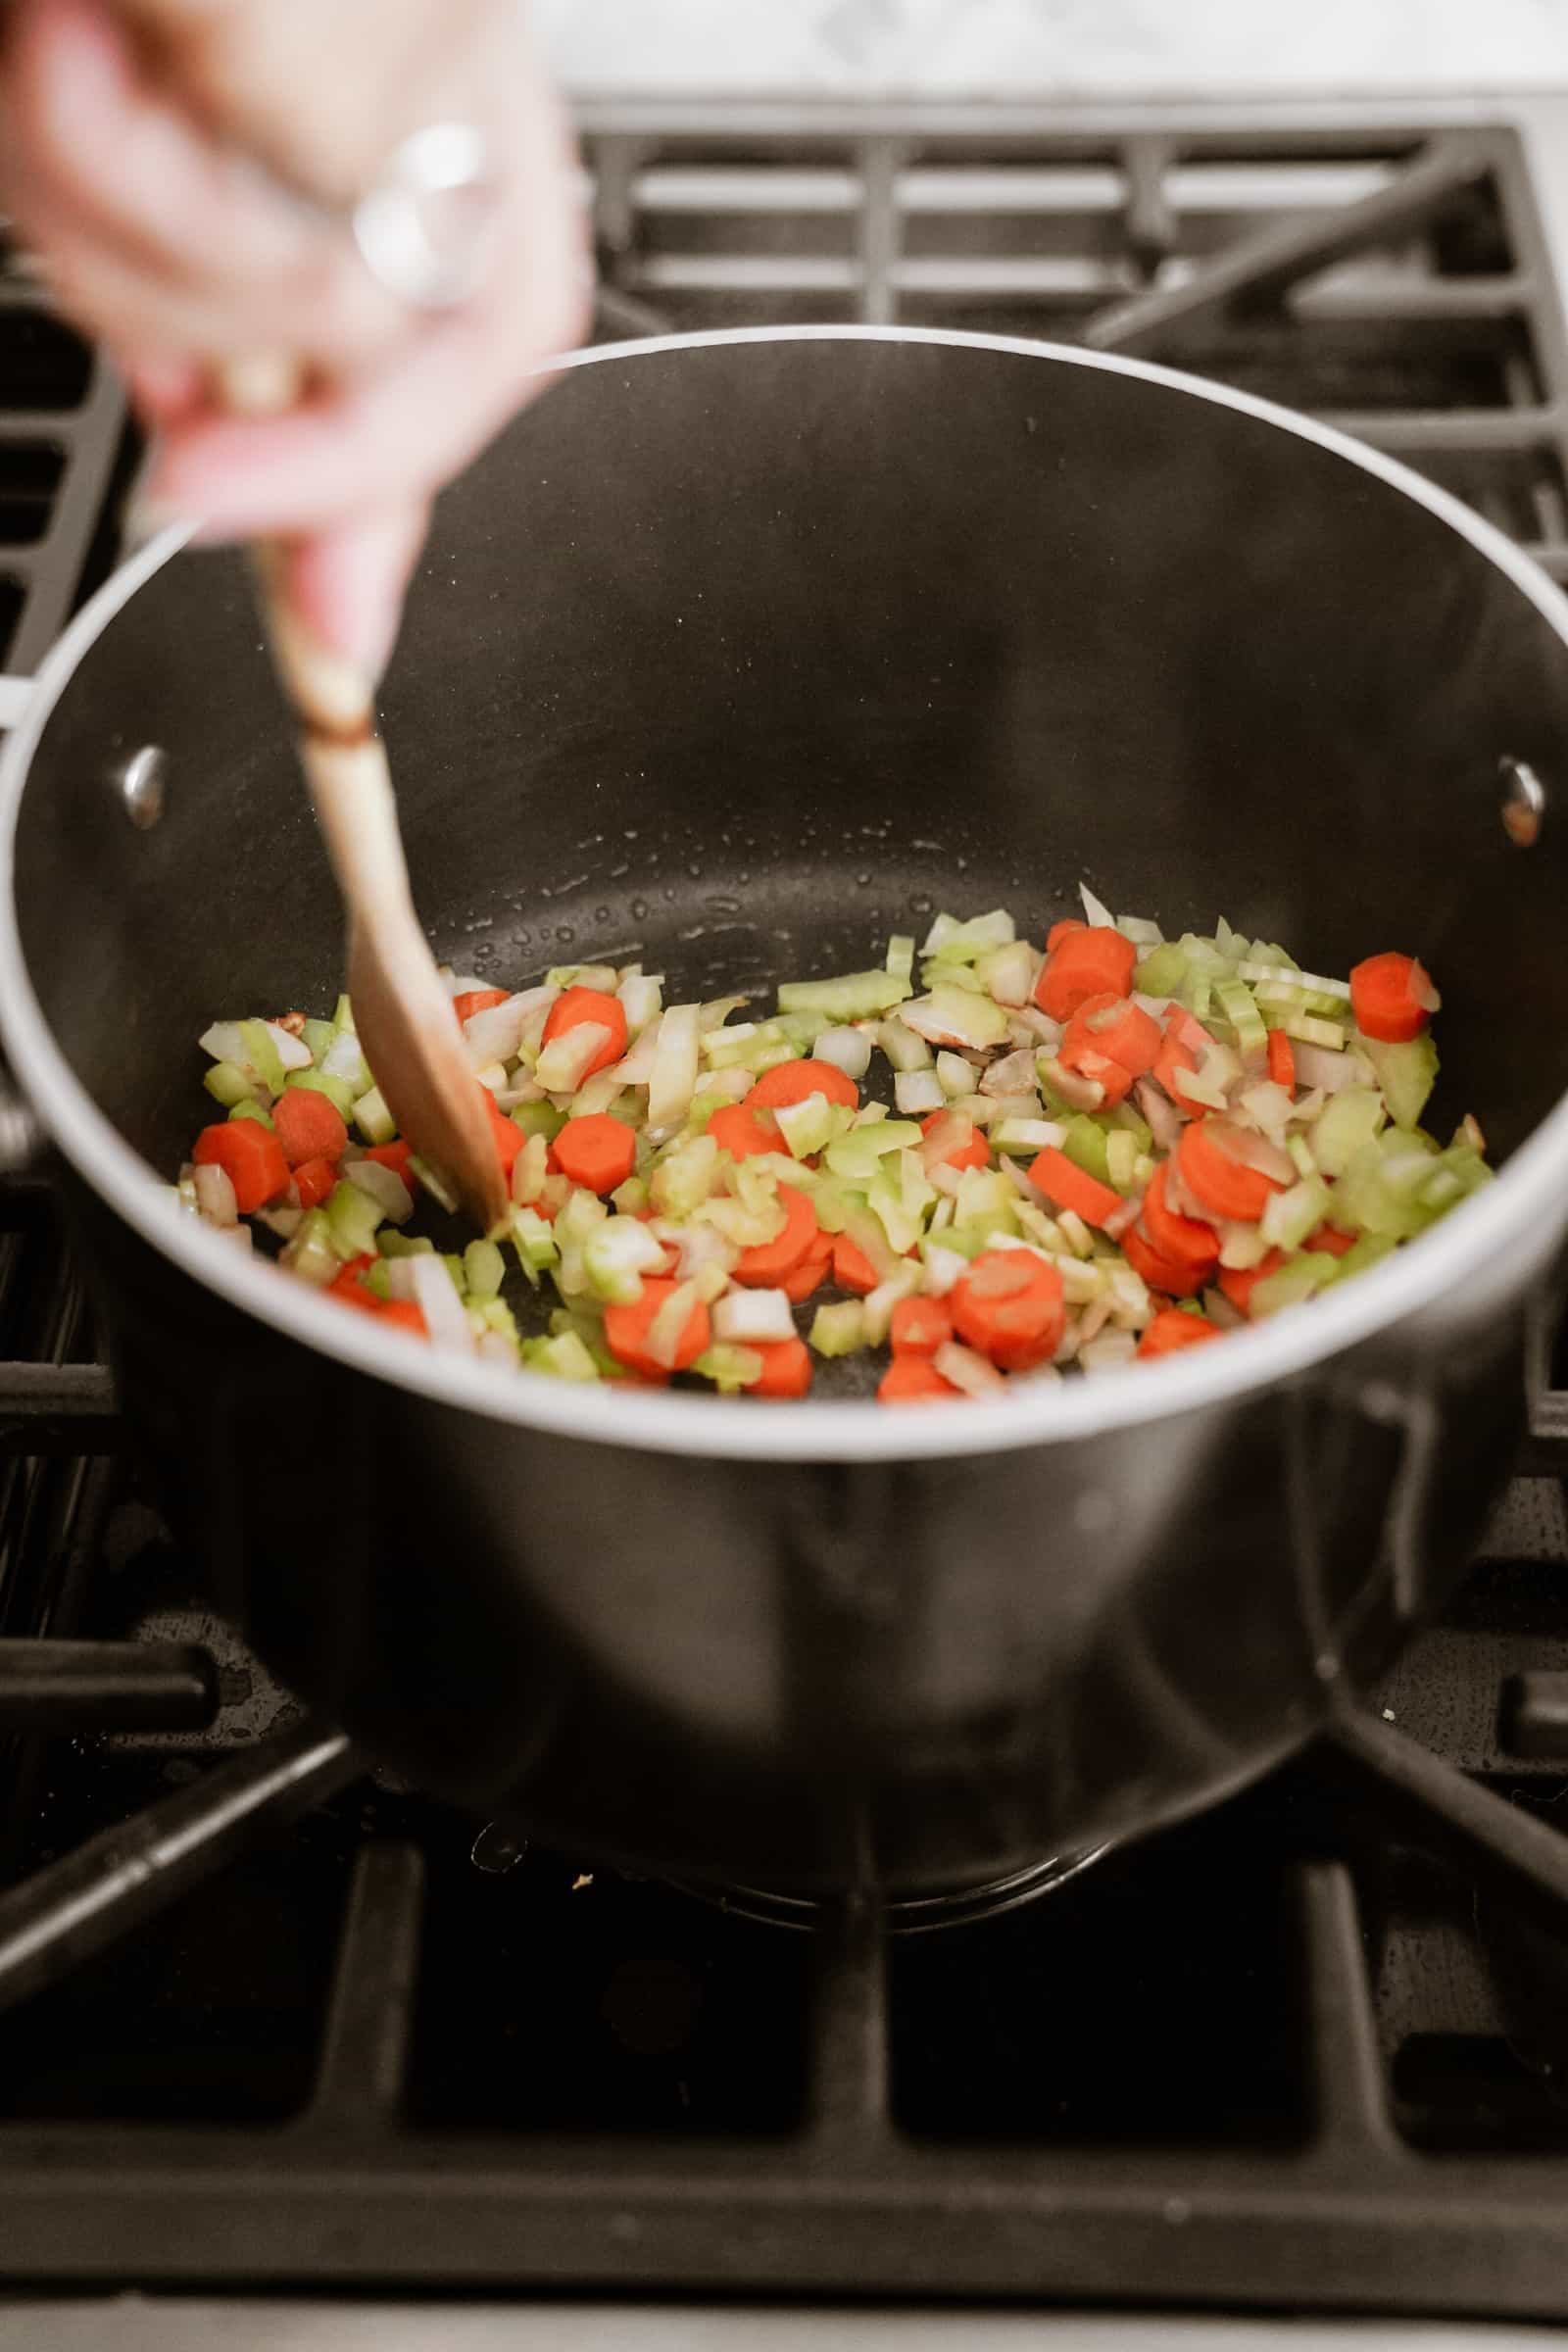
[509, 1136]
[1160, 1273]
[968, 1149]
[1008, 1304]
[1068, 924]
[252, 1158]
[575, 1005]
[1089, 962]
[349, 1283]
[405, 1314]
[852, 1270]
[1239, 1282]
[478, 1000]
[1327, 1237]
[738, 1130]
[1185, 1241]
[308, 1126]
[596, 1150]
[798, 1081]
[626, 1330]
[768, 1262]
[1116, 1028]
[1174, 1054]
[811, 1272]
[920, 1326]
[1282, 1059]
[1171, 1331]
[911, 1380]
[314, 1179]
[1386, 997]
[1068, 1185]
[1215, 1180]
[786, 1368]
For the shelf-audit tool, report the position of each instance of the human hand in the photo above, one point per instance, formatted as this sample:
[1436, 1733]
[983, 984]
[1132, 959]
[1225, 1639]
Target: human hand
[187, 169]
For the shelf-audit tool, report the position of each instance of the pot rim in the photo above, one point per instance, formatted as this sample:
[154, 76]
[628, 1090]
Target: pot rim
[1529, 1196]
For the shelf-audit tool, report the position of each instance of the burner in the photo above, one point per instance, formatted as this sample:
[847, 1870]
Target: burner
[907, 1915]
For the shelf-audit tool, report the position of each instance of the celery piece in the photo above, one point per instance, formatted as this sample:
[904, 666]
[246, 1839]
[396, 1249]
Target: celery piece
[807, 1127]
[1086, 1146]
[600, 976]
[1300, 1153]
[1369, 1250]
[855, 1155]
[702, 1107]
[685, 1176]
[229, 1084]
[249, 1110]
[1306, 1027]
[1367, 1201]
[1242, 1018]
[538, 1118]
[483, 1270]
[263, 1055]
[352, 1217]
[1161, 974]
[900, 956]
[957, 942]
[373, 1120]
[838, 1330]
[616, 1255]
[1406, 1073]
[1297, 1279]
[378, 1279]
[835, 1205]
[336, 1089]
[393, 1244]
[966, 976]
[1347, 1120]
[343, 1017]
[730, 1368]
[1291, 1215]
[434, 1183]
[321, 1037]
[1121, 1160]
[630, 1198]
[534, 1242]
[885, 1200]
[564, 1358]
[853, 997]
[902, 1049]
[311, 1254]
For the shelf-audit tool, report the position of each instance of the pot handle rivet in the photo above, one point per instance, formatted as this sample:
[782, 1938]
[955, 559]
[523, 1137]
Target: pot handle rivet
[142, 783]
[1524, 803]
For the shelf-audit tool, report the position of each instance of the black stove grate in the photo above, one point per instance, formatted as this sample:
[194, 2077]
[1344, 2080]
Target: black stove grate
[270, 2019]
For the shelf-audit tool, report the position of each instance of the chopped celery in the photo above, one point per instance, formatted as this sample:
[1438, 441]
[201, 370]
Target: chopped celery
[261, 1055]
[1406, 1073]
[483, 1270]
[393, 1244]
[1029, 1135]
[685, 1177]
[900, 956]
[807, 1127]
[566, 1357]
[1085, 1144]
[1306, 1027]
[378, 1279]
[336, 1089]
[434, 1183]
[321, 1037]
[855, 1155]
[249, 1110]
[1242, 1018]
[538, 1118]
[902, 1049]
[534, 1242]
[1292, 1216]
[229, 1084]
[956, 942]
[1294, 1280]
[600, 976]
[730, 1368]
[1161, 974]
[885, 1200]
[311, 1254]
[954, 1075]
[1370, 1198]
[855, 997]
[352, 1218]
[1121, 1160]
[630, 1198]
[343, 1017]
[838, 1330]
[616, 1255]
[1348, 1120]
[1369, 1250]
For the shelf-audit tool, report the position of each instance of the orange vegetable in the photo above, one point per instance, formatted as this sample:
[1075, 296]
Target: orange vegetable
[765, 1263]
[1115, 1027]
[314, 1179]
[811, 1272]
[626, 1330]
[1281, 1059]
[786, 1368]
[1185, 1241]
[1386, 997]
[1174, 1054]
[1160, 1273]
[737, 1130]
[920, 1326]
[405, 1315]
[308, 1126]
[478, 1000]
[509, 1136]
[1172, 1331]
[251, 1156]
[798, 1081]
[852, 1270]
[1218, 1182]
[1068, 1185]
[1088, 962]
[910, 1380]
[1008, 1304]
[1239, 1282]
[1115, 1084]
[968, 1149]
[576, 1005]
[1068, 924]
[596, 1150]
[1328, 1237]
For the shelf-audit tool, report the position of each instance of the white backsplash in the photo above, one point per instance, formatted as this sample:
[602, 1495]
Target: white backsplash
[1057, 48]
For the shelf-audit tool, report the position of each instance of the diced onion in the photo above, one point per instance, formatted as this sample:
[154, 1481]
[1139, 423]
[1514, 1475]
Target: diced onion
[668, 1327]
[672, 1081]
[1104, 1353]
[967, 1370]
[385, 1187]
[1163, 1120]
[1095, 912]
[214, 1195]
[918, 1093]
[753, 1315]
[943, 1267]
[1320, 1065]
[430, 1286]
[848, 1049]
[1013, 1074]
[292, 1052]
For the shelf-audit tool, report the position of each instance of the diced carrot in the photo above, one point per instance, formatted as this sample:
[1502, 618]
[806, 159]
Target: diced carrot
[968, 1149]
[1187, 1029]
[1329, 1238]
[1171, 1331]
[766, 1264]
[798, 1081]
[1239, 1282]
[920, 1326]
[596, 1150]
[1173, 1056]
[911, 1380]
[1219, 1183]
[406, 1314]
[349, 1283]
[1008, 1304]
[1089, 963]
[852, 1270]
[308, 1126]
[478, 1000]
[626, 1330]
[314, 1179]
[1185, 1241]
[811, 1272]
[786, 1368]
[575, 1005]
[1115, 1027]
[251, 1156]
[1282, 1059]
[1115, 1084]
[1068, 924]
[1385, 1000]
[509, 1136]
[1068, 1185]
[737, 1130]
[1159, 1273]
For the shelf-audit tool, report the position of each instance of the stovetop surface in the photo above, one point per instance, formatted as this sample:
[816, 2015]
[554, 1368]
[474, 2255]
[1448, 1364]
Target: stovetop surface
[1307, 2053]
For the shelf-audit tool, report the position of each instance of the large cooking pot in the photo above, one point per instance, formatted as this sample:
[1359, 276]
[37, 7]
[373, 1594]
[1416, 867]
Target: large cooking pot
[739, 651]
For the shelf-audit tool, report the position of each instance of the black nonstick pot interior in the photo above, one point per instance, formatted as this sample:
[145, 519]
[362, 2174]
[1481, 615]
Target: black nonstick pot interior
[739, 656]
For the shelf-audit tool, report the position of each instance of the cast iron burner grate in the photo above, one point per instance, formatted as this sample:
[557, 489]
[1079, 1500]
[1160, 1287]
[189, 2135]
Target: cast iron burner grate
[272, 2019]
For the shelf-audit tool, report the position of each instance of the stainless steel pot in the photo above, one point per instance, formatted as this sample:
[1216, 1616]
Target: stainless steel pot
[746, 650]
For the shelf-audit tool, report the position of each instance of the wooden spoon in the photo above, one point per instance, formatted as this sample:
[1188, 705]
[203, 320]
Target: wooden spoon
[402, 1010]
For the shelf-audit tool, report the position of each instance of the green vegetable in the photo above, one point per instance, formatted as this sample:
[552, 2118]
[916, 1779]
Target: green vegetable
[1406, 1073]
[352, 1218]
[855, 1155]
[229, 1084]
[321, 1037]
[483, 1270]
[855, 997]
[1292, 1216]
[538, 1118]
[1163, 973]
[336, 1089]
[249, 1110]
[1085, 1144]
[1347, 1122]
[263, 1055]
[838, 1330]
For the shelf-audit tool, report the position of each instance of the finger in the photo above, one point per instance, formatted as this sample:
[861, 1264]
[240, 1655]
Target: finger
[348, 584]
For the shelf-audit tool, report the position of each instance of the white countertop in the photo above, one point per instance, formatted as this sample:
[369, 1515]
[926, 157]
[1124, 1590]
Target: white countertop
[1057, 48]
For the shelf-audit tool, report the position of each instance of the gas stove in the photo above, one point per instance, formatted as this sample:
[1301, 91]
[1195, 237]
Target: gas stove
[277, 2024]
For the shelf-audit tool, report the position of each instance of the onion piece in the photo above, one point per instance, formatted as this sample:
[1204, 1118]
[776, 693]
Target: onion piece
[424, 1279]
[566, 1060]
[967, 1370]
[1253, 1150]
[1122, 1221]
[753, 1315]
[1422, 989]
[385, 1187]
[637, 1068]
[1321, 1065]
[1165, 1120]
[943, 1268]
[848, 1049]
[1105, 1355]
[294, 1054]
[1097, 914]
[1013, 1074]
[674, 1078]
[214, 1195]
[638, 995]
[918, 1093]
[1039, 1024]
